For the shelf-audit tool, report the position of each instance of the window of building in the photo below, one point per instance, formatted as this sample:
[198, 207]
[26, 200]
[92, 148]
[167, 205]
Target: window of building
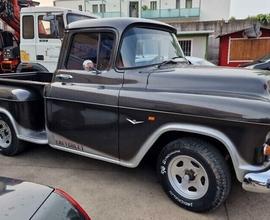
[86, 46]
[51, 29]
[153, 5]
[28, 27]
[188, 3]
[177, 4]
[95, 8]
[80, 7]
[186, 46]
[102, 8]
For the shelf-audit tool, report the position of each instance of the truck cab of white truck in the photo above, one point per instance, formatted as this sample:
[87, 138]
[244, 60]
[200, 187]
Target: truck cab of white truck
[41, 34]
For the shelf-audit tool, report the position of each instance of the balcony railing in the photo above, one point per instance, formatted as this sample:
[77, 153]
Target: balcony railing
[112, 14]
[171, 13]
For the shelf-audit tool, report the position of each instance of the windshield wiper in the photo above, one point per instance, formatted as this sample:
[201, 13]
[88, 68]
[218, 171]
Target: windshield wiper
[172, 61]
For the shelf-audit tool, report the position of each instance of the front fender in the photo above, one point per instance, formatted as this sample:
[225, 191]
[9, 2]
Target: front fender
[240, 165]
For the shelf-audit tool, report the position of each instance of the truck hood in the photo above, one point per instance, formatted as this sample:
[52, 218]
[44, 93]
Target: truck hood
[232, 82]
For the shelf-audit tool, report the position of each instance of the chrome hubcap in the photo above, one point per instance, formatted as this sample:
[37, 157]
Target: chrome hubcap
[5, 134]
[188, 177]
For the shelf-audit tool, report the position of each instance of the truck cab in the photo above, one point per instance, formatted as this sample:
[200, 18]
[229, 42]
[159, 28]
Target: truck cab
[41, 34]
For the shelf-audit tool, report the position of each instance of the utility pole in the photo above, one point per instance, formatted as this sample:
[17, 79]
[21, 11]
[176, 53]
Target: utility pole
[102, 2]
[160, 8]
[140, 8]
[120, 8]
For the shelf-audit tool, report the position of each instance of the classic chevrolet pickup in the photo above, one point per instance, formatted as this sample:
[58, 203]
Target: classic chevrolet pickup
[124, 90]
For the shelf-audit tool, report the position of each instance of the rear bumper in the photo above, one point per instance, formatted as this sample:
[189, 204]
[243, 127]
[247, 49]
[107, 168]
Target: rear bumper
[257, 182]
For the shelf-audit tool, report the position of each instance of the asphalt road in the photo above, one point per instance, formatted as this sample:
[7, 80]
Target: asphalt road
[110, 192]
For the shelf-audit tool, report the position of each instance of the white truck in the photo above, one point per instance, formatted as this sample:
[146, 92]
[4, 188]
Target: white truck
[41, 33]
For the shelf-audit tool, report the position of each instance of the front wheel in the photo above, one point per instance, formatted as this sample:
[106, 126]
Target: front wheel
[10, 145]
[194, 174]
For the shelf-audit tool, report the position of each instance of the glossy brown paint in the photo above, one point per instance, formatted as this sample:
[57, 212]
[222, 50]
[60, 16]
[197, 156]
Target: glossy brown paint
[173, 96]
[85, 111]
[92, 109]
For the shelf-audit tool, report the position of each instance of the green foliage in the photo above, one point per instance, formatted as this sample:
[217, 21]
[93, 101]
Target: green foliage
[262, 18]
[144, 7]
[232, 18]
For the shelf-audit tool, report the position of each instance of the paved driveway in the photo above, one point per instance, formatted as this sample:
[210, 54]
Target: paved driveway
[110, 192]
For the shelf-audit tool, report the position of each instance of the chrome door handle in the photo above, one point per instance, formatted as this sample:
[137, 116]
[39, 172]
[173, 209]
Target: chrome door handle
[64, 76]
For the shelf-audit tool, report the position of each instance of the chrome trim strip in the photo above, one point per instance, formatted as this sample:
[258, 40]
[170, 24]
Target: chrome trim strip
[34, 139]
[134, 122]
[257, 182]
[93, 156]
[240, 165]
[154, 110]
[189, 115]
[84, 102]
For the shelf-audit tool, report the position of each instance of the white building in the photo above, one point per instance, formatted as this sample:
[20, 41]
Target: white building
[199, 10]
[194, 42]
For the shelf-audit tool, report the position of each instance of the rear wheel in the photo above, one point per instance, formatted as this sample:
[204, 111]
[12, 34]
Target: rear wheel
[10, 145]
[194, 174]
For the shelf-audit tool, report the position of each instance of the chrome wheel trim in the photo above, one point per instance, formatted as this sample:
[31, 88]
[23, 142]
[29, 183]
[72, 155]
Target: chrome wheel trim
[5, 135]
[188, 177]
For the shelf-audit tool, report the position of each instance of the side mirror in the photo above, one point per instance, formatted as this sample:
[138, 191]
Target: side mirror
[88, 66]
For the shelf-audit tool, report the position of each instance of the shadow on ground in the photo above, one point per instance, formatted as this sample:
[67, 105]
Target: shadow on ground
[109, 191]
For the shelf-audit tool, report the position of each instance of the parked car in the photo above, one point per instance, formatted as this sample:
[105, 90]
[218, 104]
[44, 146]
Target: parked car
[196, 61]
[123, 89]
[21, 200]
[262, 63]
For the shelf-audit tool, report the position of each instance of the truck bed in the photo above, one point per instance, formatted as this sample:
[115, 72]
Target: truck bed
[34, 80]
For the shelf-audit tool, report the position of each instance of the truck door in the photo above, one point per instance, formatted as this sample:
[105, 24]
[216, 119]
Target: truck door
[82, 105]
[49, 40]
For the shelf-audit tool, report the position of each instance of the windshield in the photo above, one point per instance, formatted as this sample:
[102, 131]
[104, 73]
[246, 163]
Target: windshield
[144, 47]
[53, 29]
[265, 58]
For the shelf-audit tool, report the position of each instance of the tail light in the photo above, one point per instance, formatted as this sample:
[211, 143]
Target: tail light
[73, 202]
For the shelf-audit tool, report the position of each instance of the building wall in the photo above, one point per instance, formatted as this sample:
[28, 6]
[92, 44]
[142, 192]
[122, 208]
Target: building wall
[122, 5]
[199, 45]
[210, 10]
[72, 4]
[215, 10]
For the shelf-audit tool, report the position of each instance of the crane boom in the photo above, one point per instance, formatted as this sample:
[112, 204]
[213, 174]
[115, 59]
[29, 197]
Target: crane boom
[10, 12]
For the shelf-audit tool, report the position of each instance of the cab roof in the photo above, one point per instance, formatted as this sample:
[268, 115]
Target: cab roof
[45, 9]
[119, 24]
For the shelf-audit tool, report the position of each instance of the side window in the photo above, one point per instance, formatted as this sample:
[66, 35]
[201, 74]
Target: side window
[96, 47]
[105, 51]
[28, 27]
[50, 29]
[84, 47]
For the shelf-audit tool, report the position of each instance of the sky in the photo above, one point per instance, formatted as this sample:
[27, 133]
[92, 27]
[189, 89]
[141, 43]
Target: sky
[45, 2]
